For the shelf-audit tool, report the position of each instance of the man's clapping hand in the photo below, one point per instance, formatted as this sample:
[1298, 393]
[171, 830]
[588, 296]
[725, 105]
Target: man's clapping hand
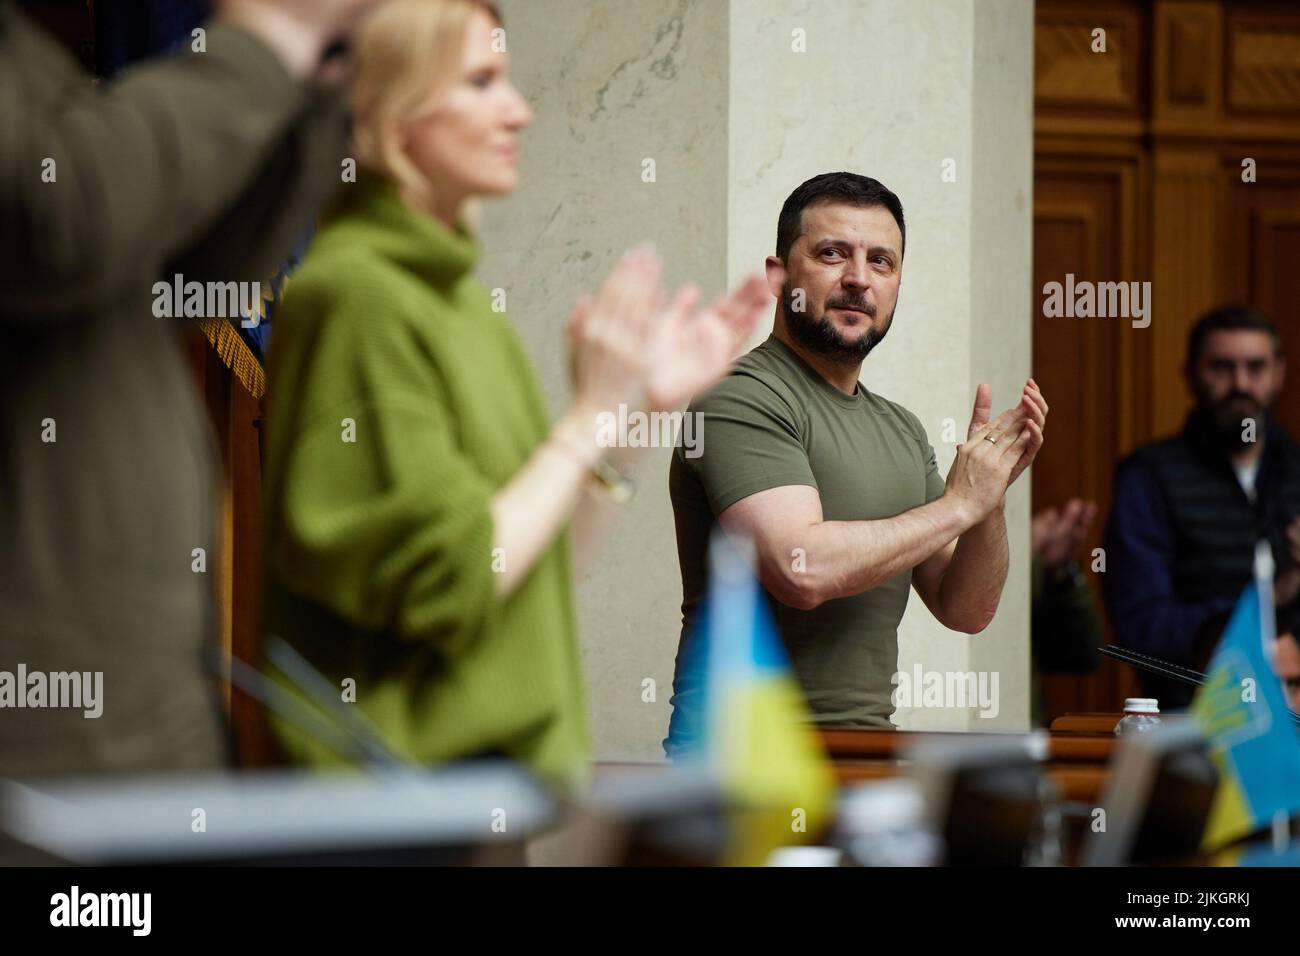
[1055, 536]
[996, 453]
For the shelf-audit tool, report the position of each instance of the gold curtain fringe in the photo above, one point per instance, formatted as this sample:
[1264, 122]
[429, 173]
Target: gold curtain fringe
[236, 355]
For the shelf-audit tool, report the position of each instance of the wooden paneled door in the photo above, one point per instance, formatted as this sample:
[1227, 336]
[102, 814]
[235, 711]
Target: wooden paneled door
[1139, 155]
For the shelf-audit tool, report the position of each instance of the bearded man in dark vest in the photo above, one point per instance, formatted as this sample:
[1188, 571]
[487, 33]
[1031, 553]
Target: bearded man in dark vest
[1189, 509]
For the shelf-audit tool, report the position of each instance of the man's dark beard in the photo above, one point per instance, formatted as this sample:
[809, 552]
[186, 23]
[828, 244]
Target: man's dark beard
[1226, 419]
[821, 336]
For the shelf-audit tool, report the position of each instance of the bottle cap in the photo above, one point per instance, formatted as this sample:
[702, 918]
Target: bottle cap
[1141, 705]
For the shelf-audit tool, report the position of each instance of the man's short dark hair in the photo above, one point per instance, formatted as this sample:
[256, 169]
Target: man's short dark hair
[1230, 318]
[847, 188]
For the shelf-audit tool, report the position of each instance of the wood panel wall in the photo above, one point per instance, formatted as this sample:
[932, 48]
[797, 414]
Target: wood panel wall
[1138, 157]
[236, 418]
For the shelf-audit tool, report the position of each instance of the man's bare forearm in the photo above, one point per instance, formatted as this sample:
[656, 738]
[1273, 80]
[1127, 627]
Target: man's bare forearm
[972, 584]
[843, 558]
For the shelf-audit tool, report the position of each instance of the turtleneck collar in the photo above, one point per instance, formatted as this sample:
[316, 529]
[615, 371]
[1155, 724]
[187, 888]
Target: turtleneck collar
[406, 235]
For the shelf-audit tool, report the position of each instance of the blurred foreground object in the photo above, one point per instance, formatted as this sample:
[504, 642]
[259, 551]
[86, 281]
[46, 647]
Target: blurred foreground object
[884, 823]
[478, 813]
[1156, 801]
[206, 165]
[988, 799]
[755, 737]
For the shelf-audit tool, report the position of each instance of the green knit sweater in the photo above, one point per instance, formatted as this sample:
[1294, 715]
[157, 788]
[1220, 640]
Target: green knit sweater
[399, 403]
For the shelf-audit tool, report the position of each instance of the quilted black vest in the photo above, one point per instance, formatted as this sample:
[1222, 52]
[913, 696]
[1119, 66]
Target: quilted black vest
[1215, 525]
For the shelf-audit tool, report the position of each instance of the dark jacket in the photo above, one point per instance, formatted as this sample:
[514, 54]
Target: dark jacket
[1181, 540]
[209, 165]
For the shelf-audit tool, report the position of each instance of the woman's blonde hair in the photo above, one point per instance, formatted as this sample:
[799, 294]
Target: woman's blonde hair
[406, 53]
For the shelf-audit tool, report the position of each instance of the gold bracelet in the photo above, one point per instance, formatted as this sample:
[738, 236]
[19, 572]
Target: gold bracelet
[619, 486]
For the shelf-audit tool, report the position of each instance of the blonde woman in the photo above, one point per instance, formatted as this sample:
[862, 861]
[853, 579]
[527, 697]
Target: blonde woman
[422, 511]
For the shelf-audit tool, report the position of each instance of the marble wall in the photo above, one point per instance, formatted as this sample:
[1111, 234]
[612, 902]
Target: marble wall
[736, 103]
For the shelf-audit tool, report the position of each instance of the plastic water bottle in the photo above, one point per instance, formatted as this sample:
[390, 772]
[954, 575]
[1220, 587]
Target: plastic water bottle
[1140, 715]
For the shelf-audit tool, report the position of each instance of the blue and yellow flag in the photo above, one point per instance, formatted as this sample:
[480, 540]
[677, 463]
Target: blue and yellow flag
[1242, 710]
[754, 732]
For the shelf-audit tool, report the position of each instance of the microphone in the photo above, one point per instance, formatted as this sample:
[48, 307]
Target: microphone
[343, 729]
[1155, 665]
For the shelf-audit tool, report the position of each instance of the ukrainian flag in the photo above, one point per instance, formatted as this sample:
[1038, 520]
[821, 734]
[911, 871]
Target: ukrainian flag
[755, 735]
[1243, 713]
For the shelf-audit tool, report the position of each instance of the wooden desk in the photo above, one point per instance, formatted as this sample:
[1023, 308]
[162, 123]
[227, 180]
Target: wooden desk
[1085, 723]
[1075, 761]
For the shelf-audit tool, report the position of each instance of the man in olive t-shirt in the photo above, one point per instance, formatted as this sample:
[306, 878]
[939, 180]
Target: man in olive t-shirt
[838, 487]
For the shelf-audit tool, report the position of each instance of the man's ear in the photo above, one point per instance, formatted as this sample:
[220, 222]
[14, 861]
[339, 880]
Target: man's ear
[776, 275]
